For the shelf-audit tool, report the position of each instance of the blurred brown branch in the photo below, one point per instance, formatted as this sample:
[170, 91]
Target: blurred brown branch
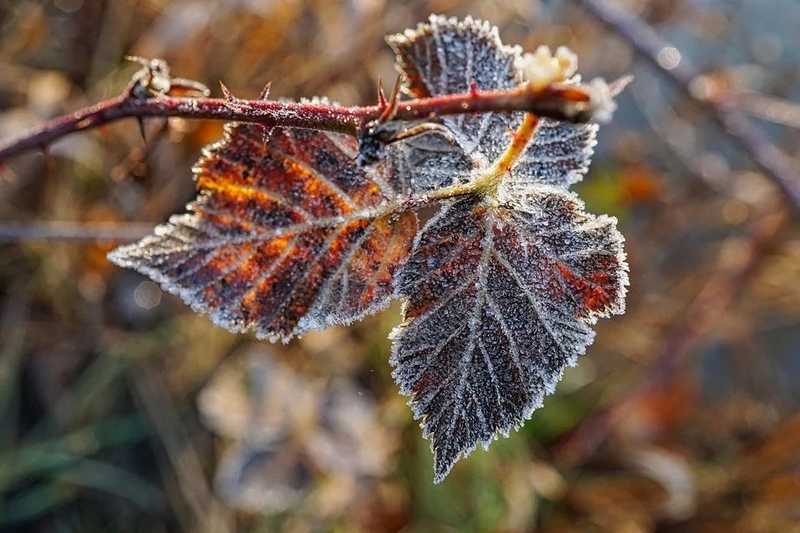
[765, 107]
[703, 314]
[150, 95]
[73, 231]
[778, 167]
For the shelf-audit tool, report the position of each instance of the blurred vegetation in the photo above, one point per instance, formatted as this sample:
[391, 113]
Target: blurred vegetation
[124, 411]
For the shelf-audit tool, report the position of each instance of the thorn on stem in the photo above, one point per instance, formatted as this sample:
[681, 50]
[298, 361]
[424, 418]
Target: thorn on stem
[473, 88]
[382, 103]
[140, 121]
[266, 131]
[391, 109]
[226, 93]
[49, 162]
[264, 94]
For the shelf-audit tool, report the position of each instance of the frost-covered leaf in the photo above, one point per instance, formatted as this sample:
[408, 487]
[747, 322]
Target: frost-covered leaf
[501, 294]
[285, 236]
[445, 56]
[501, 287]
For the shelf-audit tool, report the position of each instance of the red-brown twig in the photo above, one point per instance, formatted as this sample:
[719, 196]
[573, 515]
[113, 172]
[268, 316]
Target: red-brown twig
[775, 165]
[558, 101]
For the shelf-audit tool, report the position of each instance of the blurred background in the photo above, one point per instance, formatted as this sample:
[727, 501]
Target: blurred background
[121, 410]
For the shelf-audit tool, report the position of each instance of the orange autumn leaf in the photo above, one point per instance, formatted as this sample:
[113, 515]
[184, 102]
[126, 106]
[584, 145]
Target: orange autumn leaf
[285, 236]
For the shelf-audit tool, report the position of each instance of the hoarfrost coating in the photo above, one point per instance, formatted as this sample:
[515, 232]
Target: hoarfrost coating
[501, 286]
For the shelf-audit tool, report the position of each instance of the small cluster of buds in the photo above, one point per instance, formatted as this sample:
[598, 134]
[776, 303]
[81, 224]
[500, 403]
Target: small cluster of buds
[542, 68]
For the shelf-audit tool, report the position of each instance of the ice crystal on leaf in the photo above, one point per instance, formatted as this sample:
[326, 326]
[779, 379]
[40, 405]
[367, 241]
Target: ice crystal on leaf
[501, 286]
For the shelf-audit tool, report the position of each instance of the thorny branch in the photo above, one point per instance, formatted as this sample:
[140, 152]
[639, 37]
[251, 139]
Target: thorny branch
[152, 93]
[775, 165]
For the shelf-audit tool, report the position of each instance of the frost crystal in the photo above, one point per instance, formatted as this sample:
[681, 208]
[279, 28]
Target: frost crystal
[602, 99]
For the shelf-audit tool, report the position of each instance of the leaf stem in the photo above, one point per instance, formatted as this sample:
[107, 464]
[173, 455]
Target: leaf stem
[487, 182]
[522, 137]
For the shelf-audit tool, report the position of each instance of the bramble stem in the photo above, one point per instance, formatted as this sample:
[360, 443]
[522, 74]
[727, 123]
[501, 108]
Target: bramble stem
[557, 101]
